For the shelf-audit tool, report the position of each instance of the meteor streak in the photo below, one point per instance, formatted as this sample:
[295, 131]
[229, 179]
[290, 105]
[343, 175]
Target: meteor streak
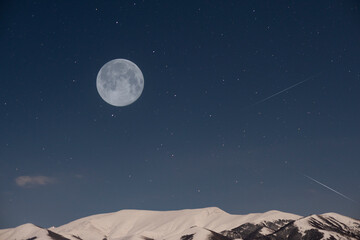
[330, 188]
[288, 88]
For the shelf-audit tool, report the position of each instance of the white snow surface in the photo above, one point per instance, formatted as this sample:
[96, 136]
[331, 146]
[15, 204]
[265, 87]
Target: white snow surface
[133, 224]
[137, 224]
[24, 231]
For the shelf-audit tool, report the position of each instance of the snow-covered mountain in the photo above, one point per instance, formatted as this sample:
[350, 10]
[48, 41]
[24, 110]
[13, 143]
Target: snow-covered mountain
[196, 224]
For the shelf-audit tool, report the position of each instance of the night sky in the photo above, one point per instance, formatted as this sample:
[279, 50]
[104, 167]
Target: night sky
[213, 126]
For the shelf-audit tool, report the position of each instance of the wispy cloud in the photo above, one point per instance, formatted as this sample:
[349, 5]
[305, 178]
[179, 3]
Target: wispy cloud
[32, 181]
[79, 176]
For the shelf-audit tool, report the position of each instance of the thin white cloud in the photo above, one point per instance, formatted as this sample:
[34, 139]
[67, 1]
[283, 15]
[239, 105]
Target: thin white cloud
[79, 176]
[31, 181]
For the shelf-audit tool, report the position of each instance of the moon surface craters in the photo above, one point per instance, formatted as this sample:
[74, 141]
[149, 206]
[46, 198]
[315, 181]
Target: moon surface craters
[120, 82]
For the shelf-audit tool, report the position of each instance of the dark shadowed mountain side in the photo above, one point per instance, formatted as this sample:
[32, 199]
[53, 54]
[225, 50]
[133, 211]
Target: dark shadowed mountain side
[197, 224]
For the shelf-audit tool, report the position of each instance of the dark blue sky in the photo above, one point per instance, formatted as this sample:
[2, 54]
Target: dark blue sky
[196, 137]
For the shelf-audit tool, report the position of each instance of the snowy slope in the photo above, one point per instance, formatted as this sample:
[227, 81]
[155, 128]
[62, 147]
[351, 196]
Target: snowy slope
[330, 224]
[196, 224]
[26, 231]
[160, 224]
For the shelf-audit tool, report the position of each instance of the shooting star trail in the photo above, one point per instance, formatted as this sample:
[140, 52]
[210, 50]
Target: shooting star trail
[288, 88]
[330, 189]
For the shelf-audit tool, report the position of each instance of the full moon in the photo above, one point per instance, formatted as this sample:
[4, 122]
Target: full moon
[120, 82]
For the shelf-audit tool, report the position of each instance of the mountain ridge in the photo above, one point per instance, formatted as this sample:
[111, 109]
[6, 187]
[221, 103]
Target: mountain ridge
[210, 223]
